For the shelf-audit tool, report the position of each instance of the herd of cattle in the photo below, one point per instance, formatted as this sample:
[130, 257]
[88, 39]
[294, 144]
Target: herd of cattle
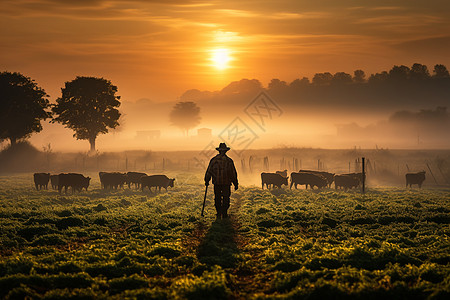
[325, 179]
[115, 180]
[108, 180]
[312, 179]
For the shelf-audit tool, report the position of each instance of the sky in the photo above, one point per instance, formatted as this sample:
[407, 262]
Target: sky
[158, 49]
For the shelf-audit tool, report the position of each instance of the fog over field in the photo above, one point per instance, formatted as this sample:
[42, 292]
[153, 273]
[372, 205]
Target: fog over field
[393, 115]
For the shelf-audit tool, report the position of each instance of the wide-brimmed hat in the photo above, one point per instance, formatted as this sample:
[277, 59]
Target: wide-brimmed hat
[223, 146]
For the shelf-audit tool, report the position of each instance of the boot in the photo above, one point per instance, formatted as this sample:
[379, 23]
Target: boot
[224, 213]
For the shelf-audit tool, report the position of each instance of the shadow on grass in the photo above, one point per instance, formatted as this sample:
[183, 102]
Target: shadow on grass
[219, 247]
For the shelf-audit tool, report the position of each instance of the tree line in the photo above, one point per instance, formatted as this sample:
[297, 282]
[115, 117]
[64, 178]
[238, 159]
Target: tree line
[401, 87]
[398, 74]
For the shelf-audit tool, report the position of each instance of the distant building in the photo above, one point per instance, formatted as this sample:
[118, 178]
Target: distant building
[204, 133]
[148, 135]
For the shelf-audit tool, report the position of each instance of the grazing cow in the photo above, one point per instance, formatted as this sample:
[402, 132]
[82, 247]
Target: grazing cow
[54, 179]
[282, 173]
[157, 181]
[273, 179]
[415, 178]
[41, 180]
[346, 181]
[112, 179]
[310, 179]
[328, 176]
[135, 178]
[73, 180]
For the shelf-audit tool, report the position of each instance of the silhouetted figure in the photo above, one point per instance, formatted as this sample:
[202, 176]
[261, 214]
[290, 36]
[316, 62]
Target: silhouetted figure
[222, 171]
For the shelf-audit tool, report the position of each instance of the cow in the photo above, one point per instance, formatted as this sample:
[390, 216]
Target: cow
[112, 179]
[415, 178]
[306, 178]
[157, 181]
[135, 178]
[328, 176]
[41, 180]
[273, 179]
[54, 179]
[282, 173]
[346, 181]
[73, 180]
[356, 175]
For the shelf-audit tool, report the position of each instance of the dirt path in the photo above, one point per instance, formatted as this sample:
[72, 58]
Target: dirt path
[222, 243]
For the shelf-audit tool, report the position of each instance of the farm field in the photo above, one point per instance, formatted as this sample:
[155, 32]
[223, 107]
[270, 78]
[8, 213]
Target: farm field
[280, 244]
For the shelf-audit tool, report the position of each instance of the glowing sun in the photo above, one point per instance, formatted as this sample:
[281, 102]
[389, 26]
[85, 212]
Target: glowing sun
[220, 58]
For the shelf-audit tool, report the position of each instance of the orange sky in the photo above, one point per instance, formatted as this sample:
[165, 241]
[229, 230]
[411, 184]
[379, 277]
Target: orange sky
[159, 49]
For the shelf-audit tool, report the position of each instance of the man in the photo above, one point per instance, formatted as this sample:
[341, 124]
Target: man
[222, 171]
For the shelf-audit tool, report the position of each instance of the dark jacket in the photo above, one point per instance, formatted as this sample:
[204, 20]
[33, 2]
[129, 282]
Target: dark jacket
[222, 171]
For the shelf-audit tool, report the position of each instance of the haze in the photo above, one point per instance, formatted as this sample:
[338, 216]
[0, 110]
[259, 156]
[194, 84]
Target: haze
[159, 53]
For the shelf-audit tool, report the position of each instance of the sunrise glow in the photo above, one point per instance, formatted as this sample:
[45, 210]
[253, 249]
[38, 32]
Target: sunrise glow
[220, 58]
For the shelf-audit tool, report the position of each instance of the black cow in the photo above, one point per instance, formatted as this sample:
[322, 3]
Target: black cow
[273, 179]
[112, 179]
[310, 179]
[157, 181]
[415, 178]
[282, 173]
[134, 178]
[54, 179]
[346, 181]
[73, 180]
[328, 176]
[41, 180]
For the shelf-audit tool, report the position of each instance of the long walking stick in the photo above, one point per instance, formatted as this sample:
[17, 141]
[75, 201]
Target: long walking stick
[204, 200]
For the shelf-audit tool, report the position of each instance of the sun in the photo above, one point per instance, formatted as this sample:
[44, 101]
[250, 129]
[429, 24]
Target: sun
[220, 58]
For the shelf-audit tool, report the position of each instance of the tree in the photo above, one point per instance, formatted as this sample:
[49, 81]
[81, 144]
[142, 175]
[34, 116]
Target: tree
[379, 77]
[299, 83]
[419, 72]
[342, 78]
[359, 76]
[88, 106]
[277, 84]
[322, 78]
[23, 105]
[185, 115]
[399, 74]
[440, 71]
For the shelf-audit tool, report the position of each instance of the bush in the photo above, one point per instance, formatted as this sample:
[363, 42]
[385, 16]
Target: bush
[212, 285]
[287, 266]
[164, 251]
[65, 223]
[30, 232]
[133, 282]
[49, 240]
[268, 223]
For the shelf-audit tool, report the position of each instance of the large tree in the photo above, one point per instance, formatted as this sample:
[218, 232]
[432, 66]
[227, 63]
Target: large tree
[88, 106]
[185, 115]
[23, 106]
[440, 71]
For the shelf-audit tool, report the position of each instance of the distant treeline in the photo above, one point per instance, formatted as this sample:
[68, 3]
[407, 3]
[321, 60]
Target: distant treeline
[399, 88]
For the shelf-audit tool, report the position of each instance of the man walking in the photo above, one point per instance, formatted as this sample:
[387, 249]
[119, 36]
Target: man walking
[222, 171]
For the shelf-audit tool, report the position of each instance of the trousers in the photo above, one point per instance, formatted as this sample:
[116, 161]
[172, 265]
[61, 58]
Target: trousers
[222, 198]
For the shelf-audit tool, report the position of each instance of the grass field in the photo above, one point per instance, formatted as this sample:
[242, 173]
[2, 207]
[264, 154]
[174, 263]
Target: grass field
[282, 244]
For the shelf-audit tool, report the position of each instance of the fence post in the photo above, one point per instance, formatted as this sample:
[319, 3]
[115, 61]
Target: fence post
[363, 175]
[431, 173]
